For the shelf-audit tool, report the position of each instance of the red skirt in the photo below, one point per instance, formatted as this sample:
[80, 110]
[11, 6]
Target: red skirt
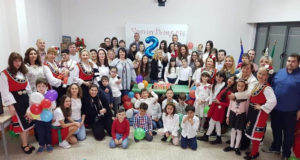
[296, 147]
[55, 135]
[216, 112]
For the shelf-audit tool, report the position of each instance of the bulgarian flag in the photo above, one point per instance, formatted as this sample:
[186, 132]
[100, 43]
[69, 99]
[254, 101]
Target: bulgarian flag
[273, 49]
[242, 51]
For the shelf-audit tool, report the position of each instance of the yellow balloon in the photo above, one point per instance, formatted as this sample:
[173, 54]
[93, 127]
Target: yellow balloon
[145, 83]
[35, 116]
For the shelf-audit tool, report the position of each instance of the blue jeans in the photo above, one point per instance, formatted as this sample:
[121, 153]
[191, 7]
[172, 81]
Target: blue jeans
[43, 132]
[191, 142]
[112, 143]
[157, 124]
[80, 133]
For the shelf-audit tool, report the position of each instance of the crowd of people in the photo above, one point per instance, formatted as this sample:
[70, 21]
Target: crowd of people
[91, 83]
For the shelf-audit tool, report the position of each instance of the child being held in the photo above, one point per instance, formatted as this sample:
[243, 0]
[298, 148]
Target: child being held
[171, 124]
[180, 107]
[189, 124]
[105, 92]
[120, 130]
[144, 121]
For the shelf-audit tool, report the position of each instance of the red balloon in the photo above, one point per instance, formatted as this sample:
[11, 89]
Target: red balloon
[125, 98]
[192, 94]
[36, 109]
[45, 104]
[127, 105]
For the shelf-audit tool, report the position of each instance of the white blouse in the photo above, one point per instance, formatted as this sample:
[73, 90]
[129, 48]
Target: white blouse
[115, 88]
[57, 116]
[76, 108]
[34, 72]
[103, 71]
[49, 76]
[218, 88]
[185, 73]
[188, 130]
[173, 73]
[6, 95]
[171, 123]
[78, 80]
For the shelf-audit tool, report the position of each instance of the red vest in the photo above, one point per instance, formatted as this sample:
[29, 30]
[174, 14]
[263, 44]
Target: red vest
[14, 84]
[259, 97]
[83, 75]
[54, 72]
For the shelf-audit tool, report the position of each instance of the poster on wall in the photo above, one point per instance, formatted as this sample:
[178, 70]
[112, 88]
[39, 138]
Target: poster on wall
[161, 31]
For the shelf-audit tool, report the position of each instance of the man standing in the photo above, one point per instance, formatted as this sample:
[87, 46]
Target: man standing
[107, 43]
[252, 54]
[73, 52]
[137, 41]
[40, 44]
[286, 85]
[221, 58]
[175, 39]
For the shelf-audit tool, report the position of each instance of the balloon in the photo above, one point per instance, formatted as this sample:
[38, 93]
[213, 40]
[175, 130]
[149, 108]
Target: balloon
[192, 94]
[293, 158]
[133, 100]
[190, 102]
[127, 105]
[193, 88]
[148, 50]
[130, 94]
[45, 104]
[35, 116]
[125, 98]
[206, 108]
[36, 98]
[139, 133]
[46, 116]
[145, 83]
[129, 113]
[36, 109]
[190, 45]
[141, 85]
[51, 95]
[187, 96]
[139, 79]
[180, 117]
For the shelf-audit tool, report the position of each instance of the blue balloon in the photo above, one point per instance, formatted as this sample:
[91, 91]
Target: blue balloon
[148, 50]
[46, 115]
[194, 88]
[187, 96]
[131, 94]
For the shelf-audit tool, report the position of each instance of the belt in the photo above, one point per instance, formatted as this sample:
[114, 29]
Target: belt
[21, 92]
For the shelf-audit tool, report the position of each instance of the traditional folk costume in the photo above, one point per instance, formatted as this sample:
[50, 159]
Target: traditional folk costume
[257, 119]
[14, 89]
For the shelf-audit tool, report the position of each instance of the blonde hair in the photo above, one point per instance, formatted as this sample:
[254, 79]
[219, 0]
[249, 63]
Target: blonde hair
[267, 58]
[51, 50]
[155, 56]
[232, 69]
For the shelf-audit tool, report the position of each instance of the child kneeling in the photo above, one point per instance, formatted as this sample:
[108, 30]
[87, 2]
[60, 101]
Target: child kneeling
[189, 124]
[120, 130]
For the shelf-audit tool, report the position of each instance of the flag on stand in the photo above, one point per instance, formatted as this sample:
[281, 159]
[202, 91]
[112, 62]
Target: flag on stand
[273, 49]
[242, 51]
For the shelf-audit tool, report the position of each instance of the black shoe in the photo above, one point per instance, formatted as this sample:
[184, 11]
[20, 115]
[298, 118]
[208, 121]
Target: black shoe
[247, 153]
[203, 138]
[154, 133]
[136, 140]
[164, 139]
[249, 156]
[217, 141]
[270, 150]
[237, 151]
[227, 149]
[242, 147]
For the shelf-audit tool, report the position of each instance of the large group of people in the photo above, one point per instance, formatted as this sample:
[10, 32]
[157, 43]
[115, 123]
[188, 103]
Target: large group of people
[90, 84]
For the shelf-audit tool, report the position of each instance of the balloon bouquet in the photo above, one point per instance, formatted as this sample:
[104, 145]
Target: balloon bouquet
[41, 104]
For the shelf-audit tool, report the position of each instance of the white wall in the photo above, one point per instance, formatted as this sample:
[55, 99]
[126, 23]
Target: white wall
[274, 11]
[224, 22]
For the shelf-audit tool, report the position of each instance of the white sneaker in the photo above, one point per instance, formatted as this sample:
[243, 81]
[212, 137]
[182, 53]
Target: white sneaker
[64, 144]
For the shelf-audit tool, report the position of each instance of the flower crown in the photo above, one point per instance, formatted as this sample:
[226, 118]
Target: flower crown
[242, 80]
[269, 68]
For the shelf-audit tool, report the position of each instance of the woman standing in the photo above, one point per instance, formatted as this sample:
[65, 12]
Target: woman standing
[262, 102]
[156, 73]
[14, 90]
[34, 66]
[102, 63]
[229, 66]
[125, 70]
[209, 45]
[183, 54]
[115, 44]
[144, 68]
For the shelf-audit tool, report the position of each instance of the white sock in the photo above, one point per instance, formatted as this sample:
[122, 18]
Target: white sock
[238, 138]
[211, 126]
[232, 138]
[218, 128]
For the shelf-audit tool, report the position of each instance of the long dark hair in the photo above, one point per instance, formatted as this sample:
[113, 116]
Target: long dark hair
[105, 59]
[220, 74]
[66, 111]
[121, 49]
[169, 67]
[11, 68]
[211, 44]
[112, 39]
[38, 58]
[231, 88]
[142, 72]
[165, 49]
[169, 47]
[133, 53]
[191, 58]
[180, 56]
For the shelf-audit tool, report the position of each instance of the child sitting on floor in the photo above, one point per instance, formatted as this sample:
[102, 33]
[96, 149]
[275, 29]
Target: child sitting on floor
[144, 121]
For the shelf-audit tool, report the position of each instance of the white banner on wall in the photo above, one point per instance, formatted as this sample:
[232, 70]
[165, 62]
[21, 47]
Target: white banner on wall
[161, 31]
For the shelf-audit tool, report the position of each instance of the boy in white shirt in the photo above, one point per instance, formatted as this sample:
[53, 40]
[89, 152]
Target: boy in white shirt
[116, 87]
[169, 99]
[189, 124]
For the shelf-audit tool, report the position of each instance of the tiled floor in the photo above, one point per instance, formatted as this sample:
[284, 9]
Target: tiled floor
[90, 149]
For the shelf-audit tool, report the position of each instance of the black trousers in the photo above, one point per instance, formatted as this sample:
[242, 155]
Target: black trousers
[283, 122]
[43, 131]
[99, 127]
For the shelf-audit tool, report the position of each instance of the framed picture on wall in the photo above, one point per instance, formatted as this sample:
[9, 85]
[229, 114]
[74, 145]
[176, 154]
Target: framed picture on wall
[66, 39]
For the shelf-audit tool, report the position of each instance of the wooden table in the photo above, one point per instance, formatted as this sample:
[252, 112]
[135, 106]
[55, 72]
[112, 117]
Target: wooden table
[5, 119]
